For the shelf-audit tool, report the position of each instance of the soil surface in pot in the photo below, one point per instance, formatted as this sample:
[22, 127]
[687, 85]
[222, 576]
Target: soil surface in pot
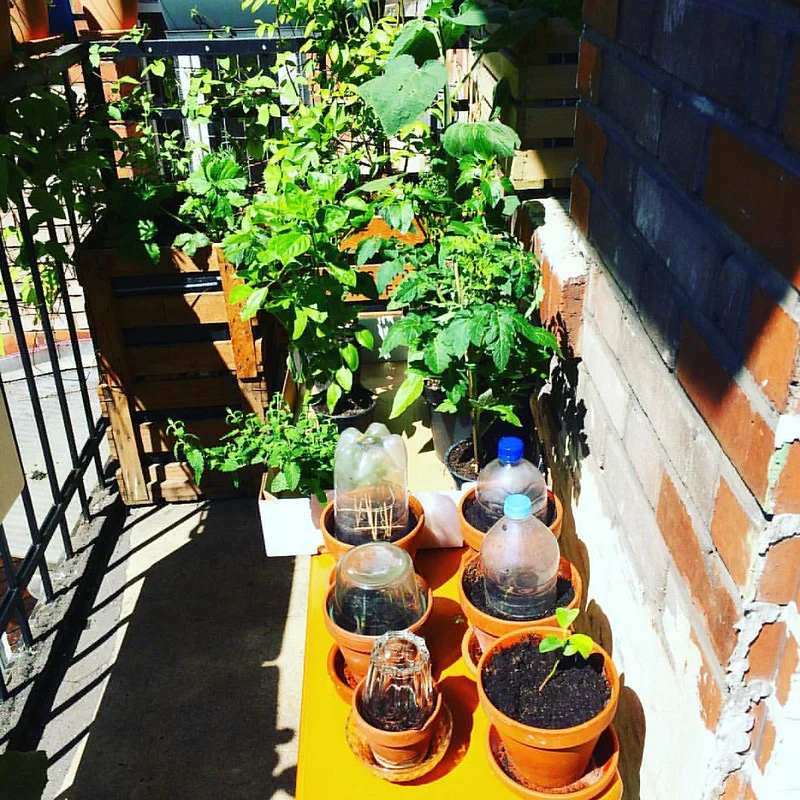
[482, 520]
[350, 405]
[363, 538]
[380, 713]
[371, 614]
[462, 460]
[577, 692]
[473, 588]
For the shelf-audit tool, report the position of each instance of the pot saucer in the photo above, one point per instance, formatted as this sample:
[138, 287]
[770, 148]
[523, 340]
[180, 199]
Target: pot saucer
[601, 781]
[440, 741]
[471, 651]
[341, 677]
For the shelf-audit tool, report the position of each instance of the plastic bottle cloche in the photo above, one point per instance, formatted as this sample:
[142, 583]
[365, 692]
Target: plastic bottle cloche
[520, 558]
[510, 473]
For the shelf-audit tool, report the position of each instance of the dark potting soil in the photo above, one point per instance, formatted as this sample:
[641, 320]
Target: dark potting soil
[577, 692]
[357, 538]
[482, 520]
[473, 588]
[462, 460]
[350, 405]
[370, 614]
[384, 715]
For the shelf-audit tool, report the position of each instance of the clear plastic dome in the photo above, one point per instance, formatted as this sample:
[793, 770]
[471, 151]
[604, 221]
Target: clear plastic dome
[371, 486]
[398, 690]
[520, 558]
[376, 590]
[510, 473]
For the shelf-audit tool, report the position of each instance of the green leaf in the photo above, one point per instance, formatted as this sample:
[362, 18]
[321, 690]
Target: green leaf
[114, 112]
[333, 395]
[582, 643]
[43, 201]
[254, 302]
[404, 92]
[23, 776]
[367, 249]
[292, 473]
[473, 15]
[334, 218]
[365, 338]
[288, 246]
[510, 204]
[457, 333]
[344, 377]
[387, 272]
[240, 293]
[345, 276]
[418, 39]
[566, 616]
[549, 643]
[158, 68]
[197, 462]
[480, 138]
[279, 483]
[409, 391]
[437, 354]
[300, 322]
[349, 354]
[520, 23]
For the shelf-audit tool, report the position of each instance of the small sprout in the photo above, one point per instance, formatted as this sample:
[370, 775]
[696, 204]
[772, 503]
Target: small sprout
[568, 643]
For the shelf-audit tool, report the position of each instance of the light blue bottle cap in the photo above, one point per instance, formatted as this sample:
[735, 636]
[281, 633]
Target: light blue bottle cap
[517, 506]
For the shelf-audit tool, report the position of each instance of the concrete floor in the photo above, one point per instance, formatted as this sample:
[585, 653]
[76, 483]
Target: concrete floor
[186, 681]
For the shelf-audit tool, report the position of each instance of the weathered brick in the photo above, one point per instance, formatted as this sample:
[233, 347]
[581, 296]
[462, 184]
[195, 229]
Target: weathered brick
[702, 45]
[766, 745]
[619, 178]
[728, 298]
[785, 479]
[691, 253]
[733, 533]
[661, 313]
[781, 572]
[644, 452]
[580, 203]
[590, 66]
[620, 251]
[635, 27]
[606, 307]
[681, 143]
[762, 659]
[702, 472]
[764, 76]
[607, 377]
[740, 429]
[734, 784]
[787, 670]
[711, 598]
[759, 713]
[708, 689]
[602, 16]
[791, 119]
[771, 347]
[634, 103]
[757, 199]
[590, 143]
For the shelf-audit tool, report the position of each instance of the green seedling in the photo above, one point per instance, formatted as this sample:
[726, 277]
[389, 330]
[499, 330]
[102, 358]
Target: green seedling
[568, 643]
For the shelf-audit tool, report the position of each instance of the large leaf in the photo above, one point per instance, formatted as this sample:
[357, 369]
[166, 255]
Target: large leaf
[437, 354]
[480, 138]
[473, 15]
[288, 246]
[404, 92]
[520, 23]
[418, 39]
[410, 389]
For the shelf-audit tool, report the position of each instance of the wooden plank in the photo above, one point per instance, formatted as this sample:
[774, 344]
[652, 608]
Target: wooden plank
[530, 167]
[174, 483]
[548, 81]
[546, 123]
[219, 390]
[244, 349]
[171, 309]
[154, 438]
[131, 474]
[171, 261]
[182, 359]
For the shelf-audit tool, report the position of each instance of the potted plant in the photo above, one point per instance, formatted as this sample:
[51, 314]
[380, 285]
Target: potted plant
[29, 20]
[549, 694]
[374, 591]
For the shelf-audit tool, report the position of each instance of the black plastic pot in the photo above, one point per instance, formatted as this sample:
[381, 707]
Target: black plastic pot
[361, 420]
[446, 429]
[457, 476]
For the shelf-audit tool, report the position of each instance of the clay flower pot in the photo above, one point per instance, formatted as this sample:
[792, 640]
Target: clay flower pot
[488, 628]
[111, 15]
[544, 757]
[473, 537]
[396, 748]
[357, 648]
[409, 542]
[29, 20]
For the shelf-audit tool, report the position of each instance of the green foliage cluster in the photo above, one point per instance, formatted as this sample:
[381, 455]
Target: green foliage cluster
[298, 454]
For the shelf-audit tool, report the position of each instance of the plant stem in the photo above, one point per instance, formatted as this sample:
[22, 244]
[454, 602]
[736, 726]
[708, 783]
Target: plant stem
[550, 674]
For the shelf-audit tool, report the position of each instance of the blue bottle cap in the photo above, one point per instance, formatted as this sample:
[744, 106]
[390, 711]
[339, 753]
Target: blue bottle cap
[510, 449]
[517, 506]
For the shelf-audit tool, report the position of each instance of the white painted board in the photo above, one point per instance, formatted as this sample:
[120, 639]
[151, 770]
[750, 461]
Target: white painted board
[12, 479]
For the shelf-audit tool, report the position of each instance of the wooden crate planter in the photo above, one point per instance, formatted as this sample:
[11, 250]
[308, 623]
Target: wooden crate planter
[542, 75]
[170, 345]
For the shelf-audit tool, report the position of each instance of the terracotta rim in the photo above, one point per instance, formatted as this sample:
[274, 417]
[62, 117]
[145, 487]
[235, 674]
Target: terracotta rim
[342, 687]
[473, 537]
[548, 738]
[609, 778]
[499, 627]
[466, 650]
[408, 542]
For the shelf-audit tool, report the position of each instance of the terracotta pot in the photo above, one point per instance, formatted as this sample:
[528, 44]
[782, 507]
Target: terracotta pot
[111, 15]
[549, 758]
[473, 537]
[356, 648]
[488, 628]
[396, 748]
[5, 36]
[29, 20]
[410, 542]
[471, 650]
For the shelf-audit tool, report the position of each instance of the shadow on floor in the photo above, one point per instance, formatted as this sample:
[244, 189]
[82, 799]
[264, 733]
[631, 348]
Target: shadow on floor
[190, 710]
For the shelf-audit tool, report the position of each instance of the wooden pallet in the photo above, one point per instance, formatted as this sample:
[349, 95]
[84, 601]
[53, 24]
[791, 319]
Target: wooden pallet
[166, 349]
[542, 74]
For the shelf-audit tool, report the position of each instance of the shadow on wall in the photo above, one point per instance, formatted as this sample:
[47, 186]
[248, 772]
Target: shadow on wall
[191, 706]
